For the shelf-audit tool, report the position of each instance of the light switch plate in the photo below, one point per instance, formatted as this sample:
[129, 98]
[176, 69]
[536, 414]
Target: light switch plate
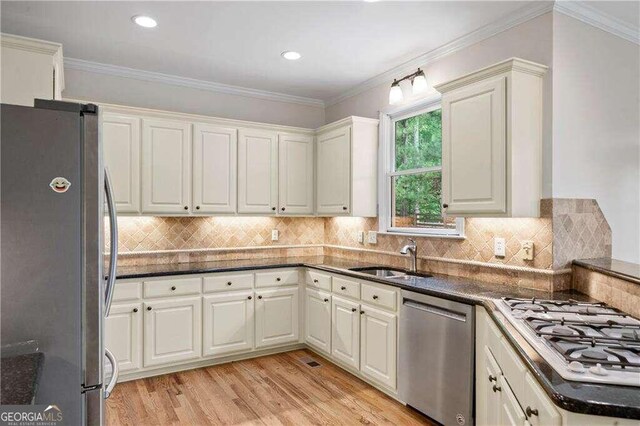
[361, 237]
[527, 250]
[499, 247]
[372, 237]
[275, 235]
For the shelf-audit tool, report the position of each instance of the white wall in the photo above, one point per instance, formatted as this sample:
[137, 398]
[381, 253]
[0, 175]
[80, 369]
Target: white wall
[596, 126]
[104, 88]
[531, 40]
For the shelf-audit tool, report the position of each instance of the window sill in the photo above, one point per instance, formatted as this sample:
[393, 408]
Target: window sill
[423, 235]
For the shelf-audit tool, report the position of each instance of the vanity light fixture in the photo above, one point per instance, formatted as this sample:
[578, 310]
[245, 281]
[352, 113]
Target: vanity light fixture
[418, 83]
[291, 55]
[144, 21]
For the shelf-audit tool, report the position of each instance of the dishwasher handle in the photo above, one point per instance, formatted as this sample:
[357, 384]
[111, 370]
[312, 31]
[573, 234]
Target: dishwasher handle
[436, 310]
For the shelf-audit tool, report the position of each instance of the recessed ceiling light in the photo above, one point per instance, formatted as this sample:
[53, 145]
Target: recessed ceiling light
[291, 55]
[144, 21]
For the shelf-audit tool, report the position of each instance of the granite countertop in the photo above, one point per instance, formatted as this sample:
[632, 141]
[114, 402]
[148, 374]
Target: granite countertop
[19, 378]
[616, 268]
[586, 398]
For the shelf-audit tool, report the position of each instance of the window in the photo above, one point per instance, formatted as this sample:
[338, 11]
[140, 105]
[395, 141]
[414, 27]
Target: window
[411, 197]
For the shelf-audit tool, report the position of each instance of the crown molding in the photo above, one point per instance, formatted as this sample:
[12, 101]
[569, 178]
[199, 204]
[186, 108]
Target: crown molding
[583, 12]
[30, 44]
[518, 17]
[156, 77]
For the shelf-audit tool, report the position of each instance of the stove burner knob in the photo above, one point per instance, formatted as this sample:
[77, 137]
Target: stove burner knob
[576, 367]
[598, 370]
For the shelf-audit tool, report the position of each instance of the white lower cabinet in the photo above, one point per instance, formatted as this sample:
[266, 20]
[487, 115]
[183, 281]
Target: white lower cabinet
[378, 336]
[345, 331]
[227, 323]
[318, 320]
[123, 335]
[277, 317]
[487, 393]
[172, 330]
[511, 413]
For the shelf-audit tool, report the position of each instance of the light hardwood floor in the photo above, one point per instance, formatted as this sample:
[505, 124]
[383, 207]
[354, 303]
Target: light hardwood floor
[272, 390]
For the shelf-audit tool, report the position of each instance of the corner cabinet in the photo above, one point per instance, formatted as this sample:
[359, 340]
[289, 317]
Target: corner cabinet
[346, 164]
[492, 141]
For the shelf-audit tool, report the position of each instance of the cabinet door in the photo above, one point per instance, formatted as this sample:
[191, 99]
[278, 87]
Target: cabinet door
[228, 323]
[166, 172]
[257, 171]
[277, 319]
[215, 152]
[345, 331]
[172, 330]
[474, 149]
[318, 320]
[535, 401]
[511, 413]
[123, 335]
[487, 397]
[295, 189]
[121, 147]
[334, 172]
[378, 337]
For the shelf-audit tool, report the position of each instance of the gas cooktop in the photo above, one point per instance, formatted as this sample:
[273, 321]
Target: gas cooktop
[582, 341]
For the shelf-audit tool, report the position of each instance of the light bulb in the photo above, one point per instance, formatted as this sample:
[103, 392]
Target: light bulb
[420, 83]
[395, 94]
[144, 21]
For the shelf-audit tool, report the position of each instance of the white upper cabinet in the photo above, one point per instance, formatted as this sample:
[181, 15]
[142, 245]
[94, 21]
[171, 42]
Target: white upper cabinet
[346, 161]
[492, 141]
[166, 171]
[215, 151]
[30, 69]
[295, 189]
[121, 147]
[257, 171]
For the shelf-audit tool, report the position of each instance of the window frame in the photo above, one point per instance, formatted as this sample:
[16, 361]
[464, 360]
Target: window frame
[386, 157]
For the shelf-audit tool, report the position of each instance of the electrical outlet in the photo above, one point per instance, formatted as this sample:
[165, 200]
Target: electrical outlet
[527, 250]
[275, 235]
[499, 247]
[361, 237]
[372, 237]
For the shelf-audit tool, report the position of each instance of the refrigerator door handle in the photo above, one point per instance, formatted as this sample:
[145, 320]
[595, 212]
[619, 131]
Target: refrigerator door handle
[113, 252]
[114, 376]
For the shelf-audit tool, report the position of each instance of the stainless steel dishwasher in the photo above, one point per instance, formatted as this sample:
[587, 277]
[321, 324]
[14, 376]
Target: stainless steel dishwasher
[436, 357]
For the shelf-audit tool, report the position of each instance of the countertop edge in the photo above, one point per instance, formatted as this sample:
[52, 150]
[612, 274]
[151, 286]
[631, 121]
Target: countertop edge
[606, 271]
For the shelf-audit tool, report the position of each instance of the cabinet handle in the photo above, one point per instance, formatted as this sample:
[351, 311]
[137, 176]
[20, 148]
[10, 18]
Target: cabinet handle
[353, 309]
[259, 297]
[343, 288]
[282, 209]
[173, 288]
[326, 300]
[497, 388]
[445, 206]
[493, 378]
[186, 207]
[229, 283]
[197, 207]
[361, 312]
[344, 208]
[315, 281]
[148, 308]
[135, 309]
[249, 297]
[375, 297]
[273, 208]
[278, 279]
[531, 412]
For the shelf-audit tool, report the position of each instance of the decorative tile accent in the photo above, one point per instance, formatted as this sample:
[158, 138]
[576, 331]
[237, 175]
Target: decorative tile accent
[580, 230]
[616, 292]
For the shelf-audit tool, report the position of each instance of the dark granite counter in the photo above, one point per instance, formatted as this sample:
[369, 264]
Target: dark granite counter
[19, 378]
[616, 268]
[585, 398]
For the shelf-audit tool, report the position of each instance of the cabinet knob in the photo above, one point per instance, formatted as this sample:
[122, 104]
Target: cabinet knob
[344, 208]
[273, 208]
[315, 281]
[361, 312]
[135, 309]
[229, 283]
[497, 388]
[531, 412]
[353, 309]
[259, 297]
[343, 288]
[249, 297]
[326, 300]
[197, 207]
[445, 206]
[186, 207]
[375, 297]
[493, 378]
[173, 288]
[148, 308]
[278, 279]
[282, 209]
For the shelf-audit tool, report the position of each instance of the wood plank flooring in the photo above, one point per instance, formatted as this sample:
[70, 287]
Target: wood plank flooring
[272, 390]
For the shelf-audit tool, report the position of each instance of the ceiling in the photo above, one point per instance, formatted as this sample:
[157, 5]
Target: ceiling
[239, 43]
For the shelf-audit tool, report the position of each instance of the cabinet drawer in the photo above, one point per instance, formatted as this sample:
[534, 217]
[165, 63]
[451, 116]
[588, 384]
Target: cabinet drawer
[125, 291]
[318, 280]
[174, 287]
[277, 278]
[346, 287]
[227, 282]
[379, 296]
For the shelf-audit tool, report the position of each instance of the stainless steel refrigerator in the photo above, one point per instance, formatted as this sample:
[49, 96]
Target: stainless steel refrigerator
[55, 288]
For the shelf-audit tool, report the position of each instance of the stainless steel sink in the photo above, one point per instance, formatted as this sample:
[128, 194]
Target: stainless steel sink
[384, 272]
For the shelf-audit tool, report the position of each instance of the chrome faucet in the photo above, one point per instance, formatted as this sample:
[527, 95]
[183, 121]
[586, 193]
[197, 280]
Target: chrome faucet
[411, 248]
